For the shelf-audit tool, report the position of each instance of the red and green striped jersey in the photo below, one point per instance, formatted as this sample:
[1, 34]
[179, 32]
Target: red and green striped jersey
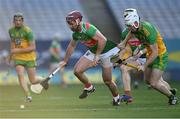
[86, 37]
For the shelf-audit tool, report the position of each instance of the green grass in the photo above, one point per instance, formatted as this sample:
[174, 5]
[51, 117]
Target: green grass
[61, 103]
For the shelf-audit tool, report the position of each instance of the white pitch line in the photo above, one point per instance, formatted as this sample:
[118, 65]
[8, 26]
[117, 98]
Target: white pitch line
[83, 109]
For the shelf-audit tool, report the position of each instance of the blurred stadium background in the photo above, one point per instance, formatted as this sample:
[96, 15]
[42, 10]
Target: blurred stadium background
[47, 18]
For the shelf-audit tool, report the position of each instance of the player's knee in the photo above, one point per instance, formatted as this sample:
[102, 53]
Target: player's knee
[153, 83]
[77, 72]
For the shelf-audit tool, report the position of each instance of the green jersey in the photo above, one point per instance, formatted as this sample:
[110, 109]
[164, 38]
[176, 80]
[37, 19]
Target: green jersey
[148, 35]
[86, 38]
[21, 38]
[55, 46]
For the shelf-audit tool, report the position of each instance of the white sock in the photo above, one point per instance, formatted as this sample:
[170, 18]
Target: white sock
[116, 98]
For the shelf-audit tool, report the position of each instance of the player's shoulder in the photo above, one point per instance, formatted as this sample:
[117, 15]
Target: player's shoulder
[27, 29]
[11, 29]
[147, 25]
[87, 26]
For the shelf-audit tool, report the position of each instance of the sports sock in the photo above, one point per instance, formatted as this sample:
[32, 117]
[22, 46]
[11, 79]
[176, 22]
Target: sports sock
[116, 98]
[88, 86]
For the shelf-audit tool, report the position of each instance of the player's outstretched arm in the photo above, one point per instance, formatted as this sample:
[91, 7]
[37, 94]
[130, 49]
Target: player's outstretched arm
[70, 50]
[122, 45]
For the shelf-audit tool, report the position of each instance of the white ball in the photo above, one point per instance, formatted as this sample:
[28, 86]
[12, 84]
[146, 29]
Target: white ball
[22, 106]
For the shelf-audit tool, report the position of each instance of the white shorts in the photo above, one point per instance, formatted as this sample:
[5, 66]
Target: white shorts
[104, 58]
[141, 61]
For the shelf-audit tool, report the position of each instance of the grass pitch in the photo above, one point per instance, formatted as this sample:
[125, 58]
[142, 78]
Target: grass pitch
[64, 103]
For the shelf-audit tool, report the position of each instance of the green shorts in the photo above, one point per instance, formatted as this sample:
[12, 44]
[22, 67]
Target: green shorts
[160, 62]
[27, 64]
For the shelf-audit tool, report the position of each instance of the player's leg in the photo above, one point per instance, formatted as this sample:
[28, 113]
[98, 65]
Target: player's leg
[165, 83]
[22, 81]
[107, 78]
[31, 71]
[81, 66]
[126, 79]
[173, 90]
[126, 83]
[107, 74]
[156, 83]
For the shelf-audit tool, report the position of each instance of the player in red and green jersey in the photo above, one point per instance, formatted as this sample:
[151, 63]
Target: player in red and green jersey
[132, 48]
[23, 52]
[100, 51]
[157, 56]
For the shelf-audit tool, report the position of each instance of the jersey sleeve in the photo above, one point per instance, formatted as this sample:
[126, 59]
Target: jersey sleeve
[151, 34]
[30, 36]
[74, 37]
[10, 33]
[91, 30]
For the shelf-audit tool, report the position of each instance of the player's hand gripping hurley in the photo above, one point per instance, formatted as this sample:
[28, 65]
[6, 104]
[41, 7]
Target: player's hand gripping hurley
[37, 88]
[116, 60]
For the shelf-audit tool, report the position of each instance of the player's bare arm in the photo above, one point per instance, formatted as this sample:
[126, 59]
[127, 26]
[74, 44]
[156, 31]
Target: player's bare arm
[122, 45]
[69, 51]
[101, 44]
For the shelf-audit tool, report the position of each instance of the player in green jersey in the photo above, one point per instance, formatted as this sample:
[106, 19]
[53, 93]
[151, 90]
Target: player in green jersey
[100, 51]
[23, 52]
[55, 51]
[157, 56]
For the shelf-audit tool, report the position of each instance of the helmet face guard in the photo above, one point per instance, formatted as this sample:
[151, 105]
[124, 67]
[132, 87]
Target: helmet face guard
[132, 19]
[69, 19]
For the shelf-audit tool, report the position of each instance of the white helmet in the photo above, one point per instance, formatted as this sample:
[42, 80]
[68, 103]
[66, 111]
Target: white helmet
[128, 11]
[131, 17]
